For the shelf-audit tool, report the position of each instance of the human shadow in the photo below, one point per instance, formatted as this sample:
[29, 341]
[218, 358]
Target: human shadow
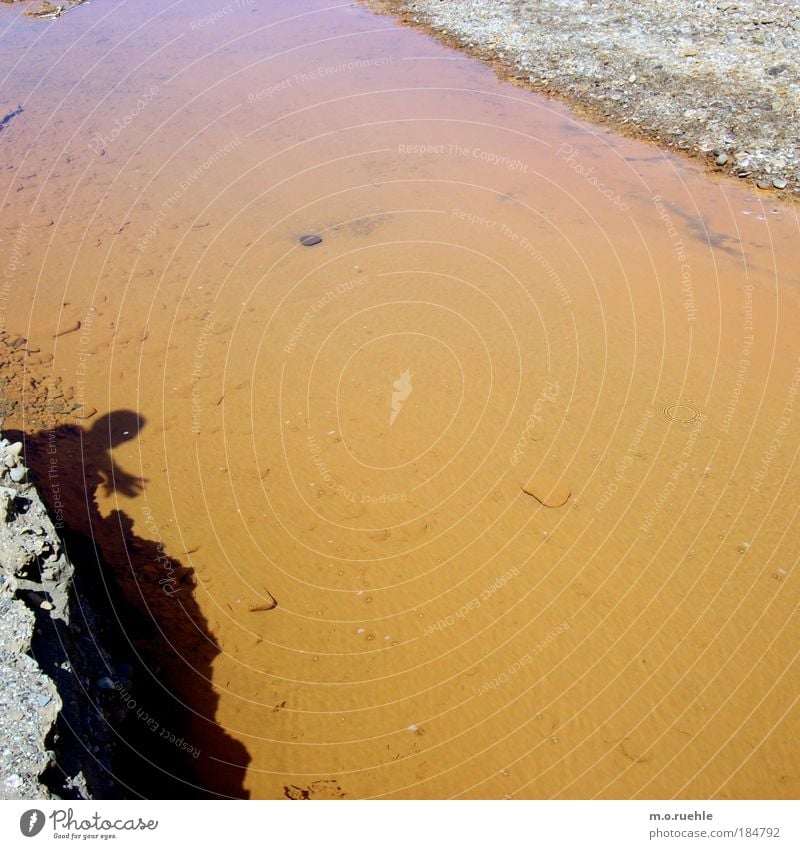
[157, 695]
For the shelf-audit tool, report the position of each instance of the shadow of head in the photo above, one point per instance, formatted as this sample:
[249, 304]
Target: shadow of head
[114, 428]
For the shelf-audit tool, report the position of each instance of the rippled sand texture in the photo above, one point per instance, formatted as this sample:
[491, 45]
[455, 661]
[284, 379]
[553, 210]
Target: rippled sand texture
[514, 449]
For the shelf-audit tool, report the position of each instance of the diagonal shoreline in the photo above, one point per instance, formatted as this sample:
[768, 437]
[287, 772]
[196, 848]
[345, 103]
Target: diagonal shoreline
[720, 85]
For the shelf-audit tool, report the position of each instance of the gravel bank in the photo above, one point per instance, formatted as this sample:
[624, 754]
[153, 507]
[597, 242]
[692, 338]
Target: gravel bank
[717, 80]
[34, 583]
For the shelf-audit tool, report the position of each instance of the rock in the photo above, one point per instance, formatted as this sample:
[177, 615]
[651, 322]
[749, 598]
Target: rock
[780, 183]
[105, 683]
[18, 474]
[83, 412]
[722, 159]
[777, 69]
[69, 327]
[310, 239]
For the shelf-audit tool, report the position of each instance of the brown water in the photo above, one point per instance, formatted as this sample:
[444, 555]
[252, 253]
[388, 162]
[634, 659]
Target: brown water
[564, 317]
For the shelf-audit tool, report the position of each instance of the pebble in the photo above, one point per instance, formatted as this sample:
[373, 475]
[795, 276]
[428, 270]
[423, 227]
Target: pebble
[83, 412]
[764, 184]
[105, 683]
[18, 474]
[310, 239]
[46, 605]
[69, 327]
[780, 183]
[722, 159]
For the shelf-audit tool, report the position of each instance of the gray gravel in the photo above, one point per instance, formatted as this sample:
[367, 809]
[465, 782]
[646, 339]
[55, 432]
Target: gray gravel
[29, 705]
[31, 563]
[720, 80]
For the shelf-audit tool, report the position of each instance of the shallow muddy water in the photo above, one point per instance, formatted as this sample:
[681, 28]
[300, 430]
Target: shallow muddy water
[514, 448]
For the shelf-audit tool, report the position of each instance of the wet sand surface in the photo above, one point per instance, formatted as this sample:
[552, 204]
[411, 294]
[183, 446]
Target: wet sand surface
[493, 492]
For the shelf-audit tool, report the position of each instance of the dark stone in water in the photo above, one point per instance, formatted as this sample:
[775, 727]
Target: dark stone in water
[310, 239]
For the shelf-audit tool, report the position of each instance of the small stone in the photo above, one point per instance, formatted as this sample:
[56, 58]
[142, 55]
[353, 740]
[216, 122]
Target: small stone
[721, 159]
[105, 683]
[83, 412]
[46, 605]
[310, 239]
[18, 474]
[780, 183]
[15, 449]
[775, 70]
[69, 327]
[764, 184]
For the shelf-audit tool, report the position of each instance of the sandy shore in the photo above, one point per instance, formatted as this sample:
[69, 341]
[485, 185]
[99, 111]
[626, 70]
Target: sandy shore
[721, 83]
